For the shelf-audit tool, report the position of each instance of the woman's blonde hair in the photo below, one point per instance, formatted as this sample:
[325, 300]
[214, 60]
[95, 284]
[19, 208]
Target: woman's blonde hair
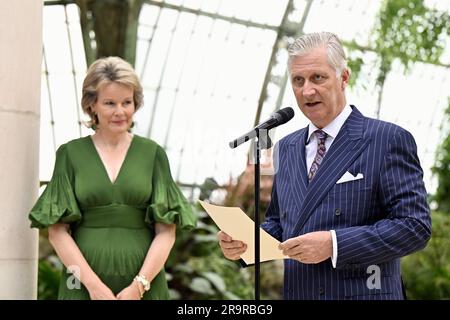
[105, 71]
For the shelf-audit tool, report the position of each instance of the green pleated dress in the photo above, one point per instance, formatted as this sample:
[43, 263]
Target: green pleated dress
[112, 223]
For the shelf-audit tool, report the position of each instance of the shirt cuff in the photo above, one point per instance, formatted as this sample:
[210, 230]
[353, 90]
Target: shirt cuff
[334, 254]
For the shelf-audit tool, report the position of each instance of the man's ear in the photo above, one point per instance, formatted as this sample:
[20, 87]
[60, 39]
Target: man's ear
[345, 77]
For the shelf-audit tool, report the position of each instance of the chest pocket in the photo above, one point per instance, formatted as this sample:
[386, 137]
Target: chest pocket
[359, 167]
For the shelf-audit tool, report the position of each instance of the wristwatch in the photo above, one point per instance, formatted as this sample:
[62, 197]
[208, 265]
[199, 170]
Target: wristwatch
[145, 283]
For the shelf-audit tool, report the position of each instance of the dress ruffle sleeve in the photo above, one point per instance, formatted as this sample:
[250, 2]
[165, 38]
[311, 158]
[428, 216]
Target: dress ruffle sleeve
[168, 204]
[57, 203]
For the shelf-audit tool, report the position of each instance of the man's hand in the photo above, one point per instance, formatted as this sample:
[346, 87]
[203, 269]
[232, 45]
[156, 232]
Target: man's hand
[313, 247]
[232, 249]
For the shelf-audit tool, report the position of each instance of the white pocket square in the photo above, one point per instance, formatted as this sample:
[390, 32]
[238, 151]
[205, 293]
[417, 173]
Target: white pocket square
[349, 177]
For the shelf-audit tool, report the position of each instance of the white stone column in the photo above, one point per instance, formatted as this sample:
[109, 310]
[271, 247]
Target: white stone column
[20, 85]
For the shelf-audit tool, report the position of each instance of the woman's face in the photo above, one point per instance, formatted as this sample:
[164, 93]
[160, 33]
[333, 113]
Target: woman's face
[114, 108]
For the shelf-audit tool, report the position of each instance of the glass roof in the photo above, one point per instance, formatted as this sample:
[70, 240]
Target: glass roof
[203, 65]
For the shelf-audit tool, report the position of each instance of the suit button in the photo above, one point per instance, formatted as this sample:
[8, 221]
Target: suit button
[337, 212]
[321, 290]
[283, 214]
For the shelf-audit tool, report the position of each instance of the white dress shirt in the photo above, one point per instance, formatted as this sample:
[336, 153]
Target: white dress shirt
[332, 130]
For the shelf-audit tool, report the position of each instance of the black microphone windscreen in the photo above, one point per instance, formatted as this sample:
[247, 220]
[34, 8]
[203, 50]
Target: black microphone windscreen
[285, 115]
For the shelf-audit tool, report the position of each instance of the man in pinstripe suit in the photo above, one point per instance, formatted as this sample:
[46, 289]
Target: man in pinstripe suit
[348, 199]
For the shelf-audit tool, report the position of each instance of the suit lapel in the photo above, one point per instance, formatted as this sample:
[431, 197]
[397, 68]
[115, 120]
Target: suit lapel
[343, 152]
[296, 163]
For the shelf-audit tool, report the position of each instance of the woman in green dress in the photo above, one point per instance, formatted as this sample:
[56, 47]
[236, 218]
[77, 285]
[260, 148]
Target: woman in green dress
[111, 207]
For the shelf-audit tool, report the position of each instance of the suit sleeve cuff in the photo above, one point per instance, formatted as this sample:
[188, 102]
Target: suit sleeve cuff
[334, 254]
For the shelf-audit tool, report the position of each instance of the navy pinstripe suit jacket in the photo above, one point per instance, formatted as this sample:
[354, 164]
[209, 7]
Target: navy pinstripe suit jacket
[377, 219]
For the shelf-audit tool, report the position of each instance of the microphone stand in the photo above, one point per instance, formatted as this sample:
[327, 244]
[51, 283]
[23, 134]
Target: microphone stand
[266, 143]
[256, 218]
[262, 141]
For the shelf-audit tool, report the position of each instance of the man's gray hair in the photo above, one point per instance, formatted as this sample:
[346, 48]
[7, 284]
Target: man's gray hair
[328, 40]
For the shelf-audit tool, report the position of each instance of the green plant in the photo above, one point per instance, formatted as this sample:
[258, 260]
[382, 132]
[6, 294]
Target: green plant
[49, 274]
[409, 31]
[442, 168]
[427, 273]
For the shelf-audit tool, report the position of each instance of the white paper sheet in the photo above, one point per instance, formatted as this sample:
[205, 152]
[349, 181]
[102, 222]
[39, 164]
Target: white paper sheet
[234, 222]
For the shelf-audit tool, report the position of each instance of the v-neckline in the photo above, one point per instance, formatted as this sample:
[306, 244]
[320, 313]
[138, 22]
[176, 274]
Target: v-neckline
[103, 164]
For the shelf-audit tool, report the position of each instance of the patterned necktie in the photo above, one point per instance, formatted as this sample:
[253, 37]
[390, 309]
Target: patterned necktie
[321, 150]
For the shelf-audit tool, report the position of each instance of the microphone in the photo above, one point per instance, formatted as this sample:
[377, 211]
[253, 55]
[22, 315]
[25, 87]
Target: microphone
[276, 119]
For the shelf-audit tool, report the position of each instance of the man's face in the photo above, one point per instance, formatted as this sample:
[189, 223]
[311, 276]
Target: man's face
[319, 93]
